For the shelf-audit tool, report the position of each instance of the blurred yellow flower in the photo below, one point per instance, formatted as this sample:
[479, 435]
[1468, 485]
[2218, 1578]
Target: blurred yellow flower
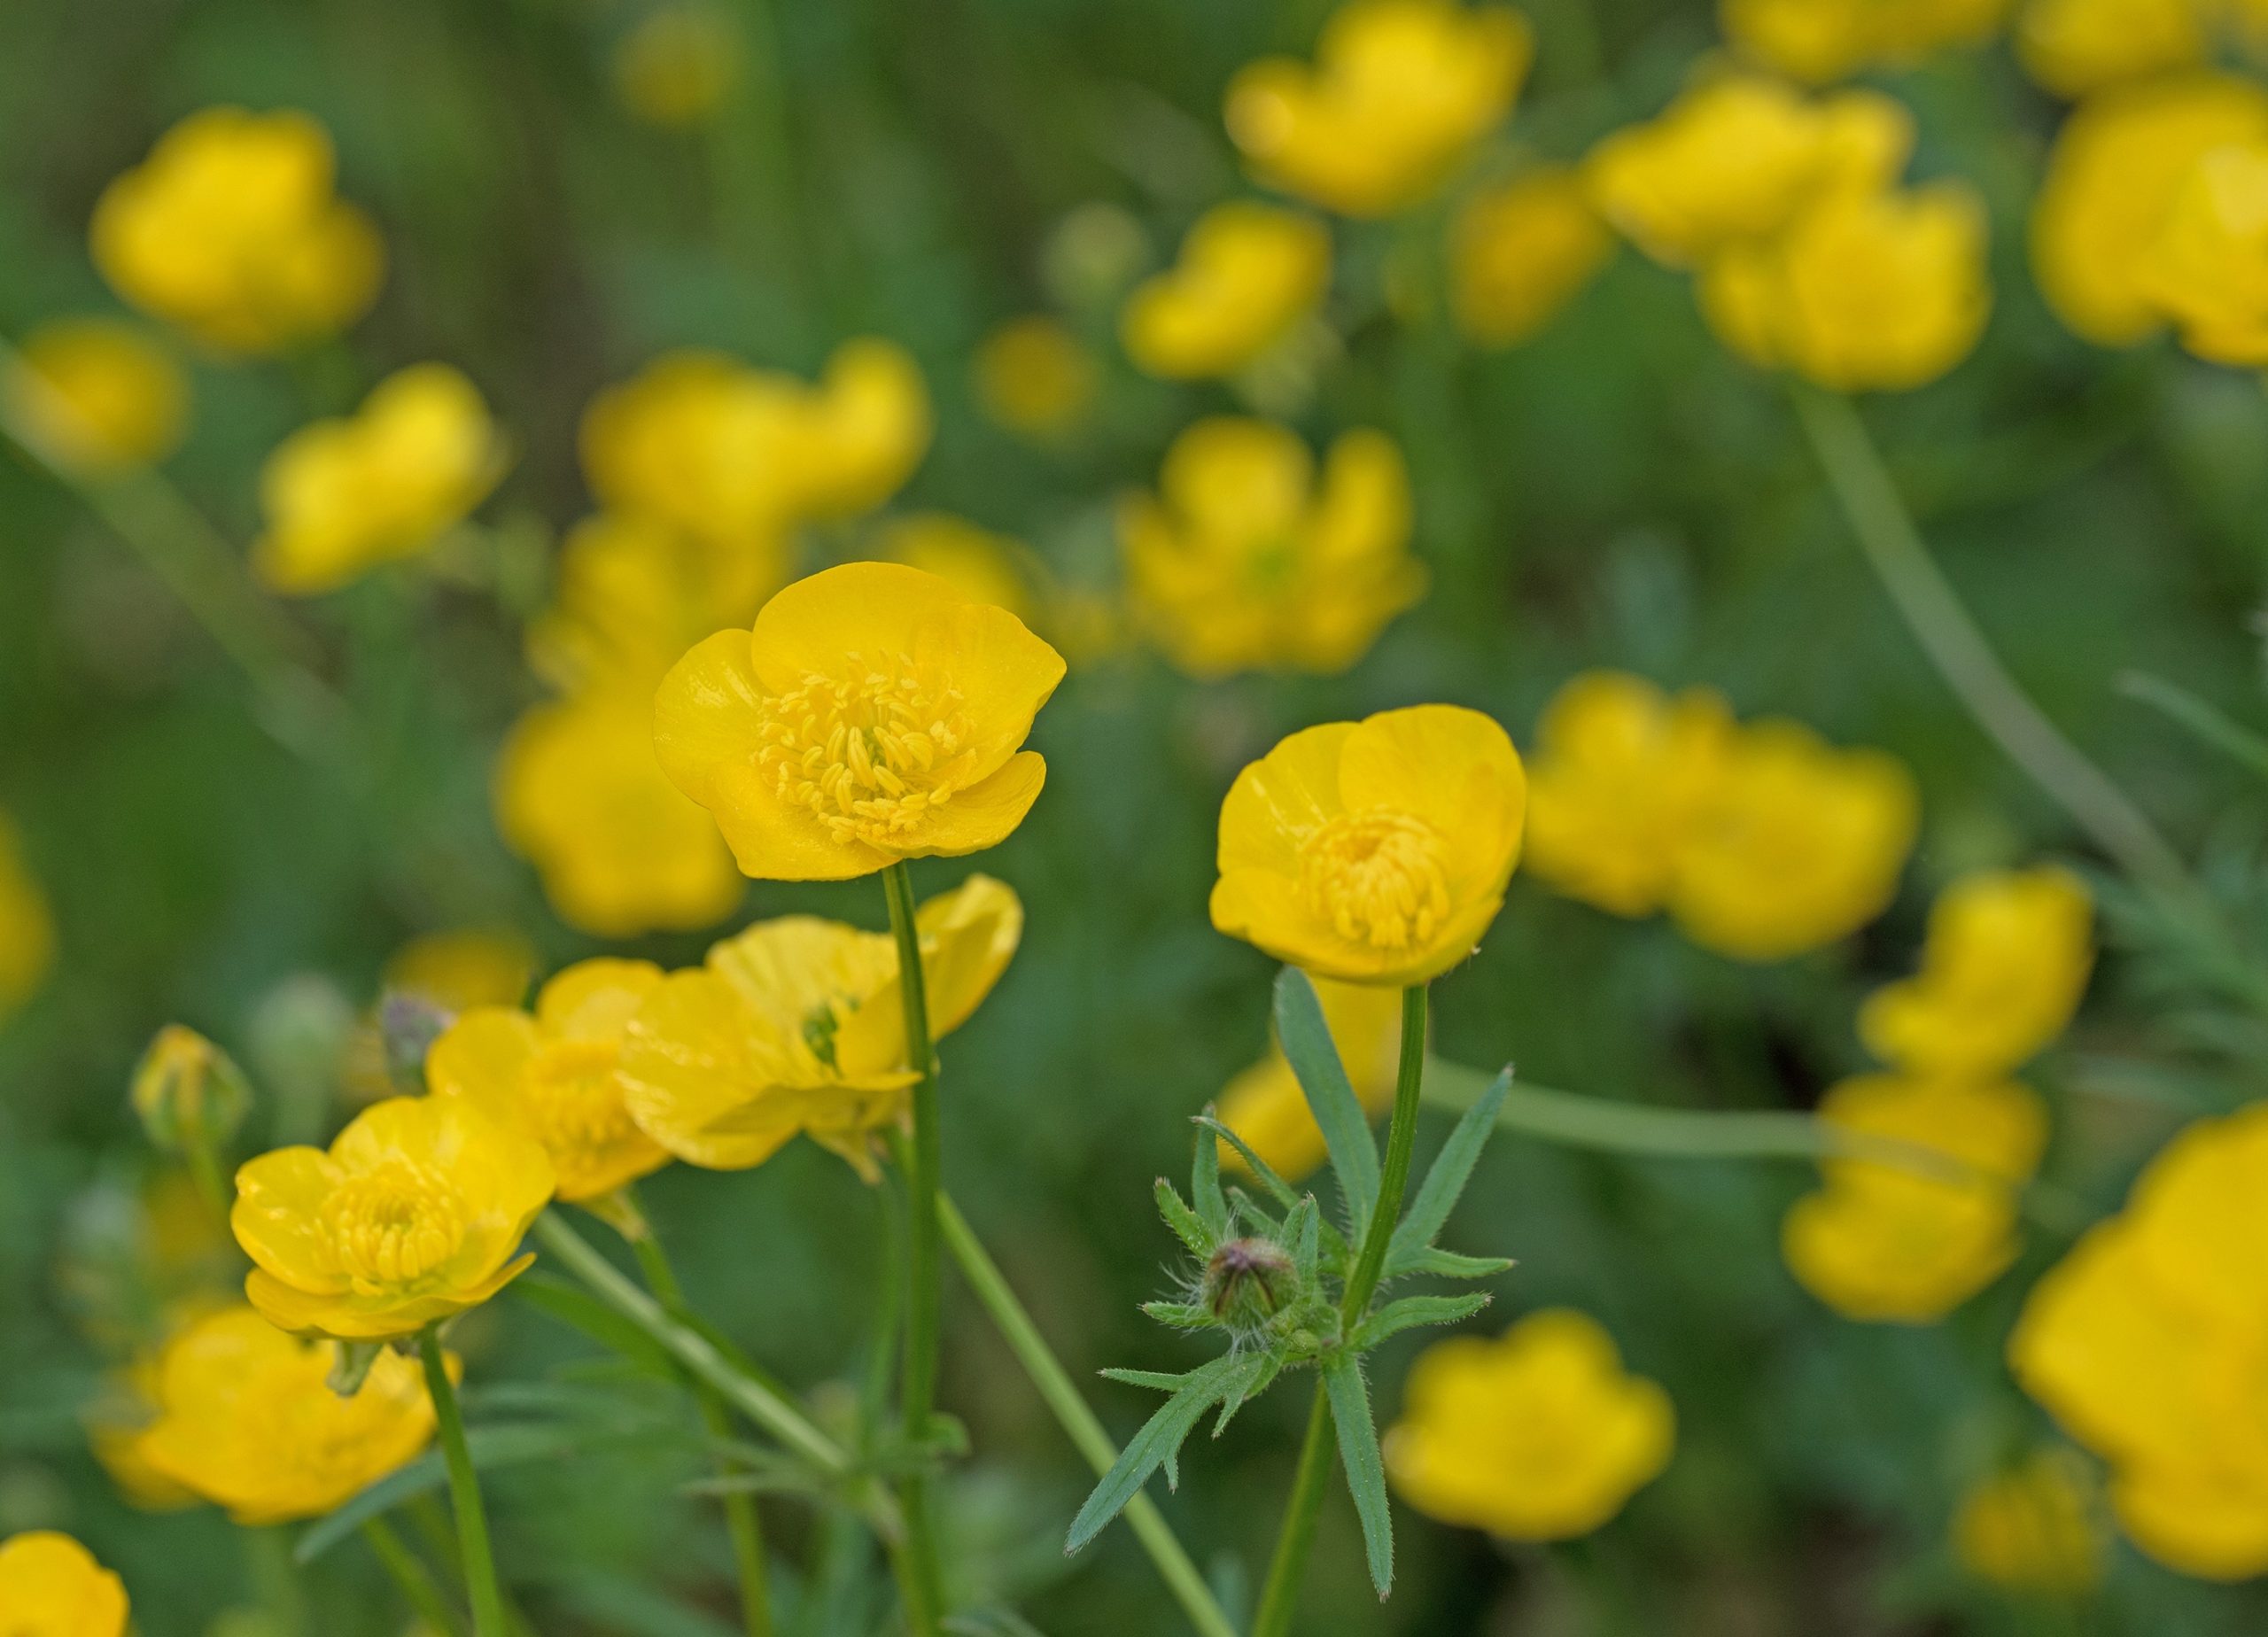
[2207, 267]
[2145, 1342]
[414, 1214]
[27, 925]
[2006, 960]
[116, 1424]
[557, 1074]
[875, 714]
[52, 1586]
[1266, 1107]
[1883, 1244]
[247, 1419]
[983, 566]
[93, 395]
[1798, 845]
[673, 69]
[2109, 185]
[796, 1024]
[619, 849]
[1737, 159]
[1034, 375]
[230, 230]
[2077, 47]
[1619, 778]
[1247, 276]
[1373, 851]
[342, 496]
[1244, 561]
[1878, 291]
[633, 594]
[1399, 92]
[2033, 1527]
[1824, 40]
[468, 966]
[1520, 250]
[1539, 1435]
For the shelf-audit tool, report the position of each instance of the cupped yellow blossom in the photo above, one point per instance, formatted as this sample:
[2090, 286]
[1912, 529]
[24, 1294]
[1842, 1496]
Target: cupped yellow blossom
[675, 68]
[1539, 1435]
[1825, 40]
[1373, 851]
[1619, 775]
[557, 1074]
[1522, 250]
[415, 1213]
[983, 566]
[1266, 1107]
[875, 714]
[1882, 1243]
[2075, 48]
[27, 924]
[619, 848]
[797, 1026]
[2208, 268]
[1798, 844]
[230, 230]
[633, 594]
[1880, 292]
[1399, 91]
[2006, 960]
[1737, 159]
[246, 1418]
[2149, 1343]
[94, 395]
[2034, 1527]
[342, 496]
[1247, 276]
[1244, 561]
[1035, 376]
[52, 1586]
[2110, 183]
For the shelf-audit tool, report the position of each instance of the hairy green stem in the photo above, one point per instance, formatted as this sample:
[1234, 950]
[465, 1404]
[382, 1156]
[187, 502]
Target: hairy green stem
[1281, 1594]
[411, 1578]
[1086, 1432]
[464, 1492]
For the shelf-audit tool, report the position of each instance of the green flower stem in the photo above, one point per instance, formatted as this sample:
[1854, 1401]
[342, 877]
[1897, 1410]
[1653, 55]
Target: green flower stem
[1934, 612]
[1317, 1455]
[409, 1574]
[464, 1493]
[918, 1387]
[275, 1580]
[742, 1524]
[1071, 1412]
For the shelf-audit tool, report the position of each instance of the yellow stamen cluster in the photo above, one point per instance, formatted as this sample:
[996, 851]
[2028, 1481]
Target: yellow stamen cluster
[869, 753]
[1376, 877]
[393, 1225]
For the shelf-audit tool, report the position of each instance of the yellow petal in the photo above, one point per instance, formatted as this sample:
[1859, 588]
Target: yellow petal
[858, 608]
[1288, 794]
[485, 1056]
[987, 812]
[689, 1059]
[595, 999]
[277, 1215]
[1003, 672]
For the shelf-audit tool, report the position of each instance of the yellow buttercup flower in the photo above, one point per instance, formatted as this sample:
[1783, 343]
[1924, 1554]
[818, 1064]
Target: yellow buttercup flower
[1737, 159]
[983, 566]
[619, 849]
[52, 1586]
[342, 496]
[2145, 1342]
[230, 230]
[675, 68]
[1373, 851]
[2208, 268]
[94, 395]
[2077, 47]
[1248, 275]
[1824, 40]
[1799, 844]
[2109, 185]
[1266, 1107]
[1399, 92]
[875, 714]
[1880, 1242]
[414, 1214]
[2006, 960]
[465, 968]
[1539, 1435]
[1880, 291]
[246, 1418]
[1034, 375]
[1619, 778]
[1522, 250]
[2033, 1527]
[633, 594]
[557, 1074]
[1244, 561]
[27, 924]
[797, 1026]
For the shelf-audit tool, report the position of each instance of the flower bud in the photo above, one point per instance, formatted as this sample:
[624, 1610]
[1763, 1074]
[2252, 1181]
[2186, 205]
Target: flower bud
[408, 1024]
[1247, 1282]
[187, 1092]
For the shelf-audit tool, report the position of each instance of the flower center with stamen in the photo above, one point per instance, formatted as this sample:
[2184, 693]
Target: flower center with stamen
[1377, 878]
[574, 1102]
[870, 752]
[393, 1225]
